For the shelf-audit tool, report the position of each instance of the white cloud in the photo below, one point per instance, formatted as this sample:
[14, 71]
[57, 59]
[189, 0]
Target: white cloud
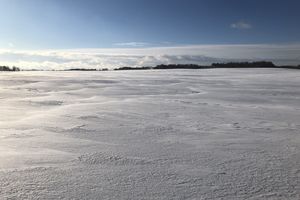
[132, 44]
[134, 57]
[241, 25]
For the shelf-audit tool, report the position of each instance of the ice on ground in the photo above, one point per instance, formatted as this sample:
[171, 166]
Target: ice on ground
[177, 134]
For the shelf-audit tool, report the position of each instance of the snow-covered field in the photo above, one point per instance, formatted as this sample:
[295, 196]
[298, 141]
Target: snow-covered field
[177, 134]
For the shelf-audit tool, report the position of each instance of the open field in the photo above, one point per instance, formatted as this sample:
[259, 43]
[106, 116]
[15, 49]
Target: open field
[165, 134]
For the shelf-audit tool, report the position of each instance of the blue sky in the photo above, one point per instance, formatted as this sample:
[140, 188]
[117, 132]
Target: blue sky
[34, 25]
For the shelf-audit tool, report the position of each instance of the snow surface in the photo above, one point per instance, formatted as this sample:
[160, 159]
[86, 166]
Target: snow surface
[177, 134]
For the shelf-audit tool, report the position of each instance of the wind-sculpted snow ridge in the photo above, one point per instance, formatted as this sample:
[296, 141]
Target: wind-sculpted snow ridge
[180, 134]
[100, 158]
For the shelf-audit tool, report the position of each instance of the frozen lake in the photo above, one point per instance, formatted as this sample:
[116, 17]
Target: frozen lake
[177, 134]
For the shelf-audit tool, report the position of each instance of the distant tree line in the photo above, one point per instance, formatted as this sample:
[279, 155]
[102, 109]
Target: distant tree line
[86, 69]
[6, 68]
[260, 64]
[180, 66]
[133, 68]
[82, 69]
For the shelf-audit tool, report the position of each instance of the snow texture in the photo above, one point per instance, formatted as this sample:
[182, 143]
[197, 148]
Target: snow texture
[177, 134]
